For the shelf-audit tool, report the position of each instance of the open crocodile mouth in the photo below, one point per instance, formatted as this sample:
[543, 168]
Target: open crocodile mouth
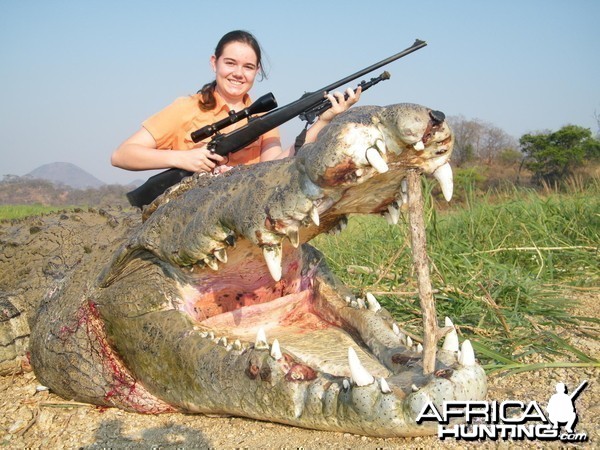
[289, 312]
[269, 330]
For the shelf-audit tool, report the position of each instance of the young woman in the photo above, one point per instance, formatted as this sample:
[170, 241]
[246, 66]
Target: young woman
[236, 63]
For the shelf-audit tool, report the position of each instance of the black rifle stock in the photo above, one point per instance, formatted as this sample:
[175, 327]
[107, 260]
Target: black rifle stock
[307, 106]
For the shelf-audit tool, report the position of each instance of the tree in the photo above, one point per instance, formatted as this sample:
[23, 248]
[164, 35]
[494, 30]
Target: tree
[478, 139]
[552, 156]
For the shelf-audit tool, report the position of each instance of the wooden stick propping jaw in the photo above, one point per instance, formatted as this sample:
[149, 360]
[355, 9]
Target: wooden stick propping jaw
[421, 264]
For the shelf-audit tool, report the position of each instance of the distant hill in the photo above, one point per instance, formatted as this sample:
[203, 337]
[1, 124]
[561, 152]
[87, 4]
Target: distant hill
[66, 174]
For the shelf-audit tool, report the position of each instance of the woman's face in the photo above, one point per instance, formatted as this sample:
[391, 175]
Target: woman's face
[235, 70]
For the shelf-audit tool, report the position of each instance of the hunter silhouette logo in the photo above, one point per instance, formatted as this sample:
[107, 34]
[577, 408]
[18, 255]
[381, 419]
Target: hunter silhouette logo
[509, 419]
[561, 407]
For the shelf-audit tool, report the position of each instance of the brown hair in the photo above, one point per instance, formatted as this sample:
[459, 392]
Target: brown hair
[207, 98]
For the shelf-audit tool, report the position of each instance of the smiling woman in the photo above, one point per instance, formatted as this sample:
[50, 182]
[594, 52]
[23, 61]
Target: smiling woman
[236, 63]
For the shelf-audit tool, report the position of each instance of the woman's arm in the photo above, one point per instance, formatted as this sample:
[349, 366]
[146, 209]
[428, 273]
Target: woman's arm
[273, 150]
[139, 152]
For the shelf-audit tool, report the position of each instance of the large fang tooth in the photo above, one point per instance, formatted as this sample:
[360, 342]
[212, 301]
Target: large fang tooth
[375, 159]
[467, 355]
[272, 256]
[360, 375]
[395, 329]
[261, 340]
[451, 340]
[444, 176]
[419, 146]
[314, 215]
[380, 146]
[276, 350]
[385, 387]
[372, 303]
[221, 255]
[394, 211]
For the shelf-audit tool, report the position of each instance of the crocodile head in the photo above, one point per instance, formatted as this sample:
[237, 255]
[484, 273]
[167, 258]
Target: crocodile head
[217, 305]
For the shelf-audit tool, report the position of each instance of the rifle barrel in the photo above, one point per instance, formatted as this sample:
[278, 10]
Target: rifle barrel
[416, 46]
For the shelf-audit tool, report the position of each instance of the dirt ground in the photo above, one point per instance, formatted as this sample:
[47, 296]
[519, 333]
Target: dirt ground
[39, 419]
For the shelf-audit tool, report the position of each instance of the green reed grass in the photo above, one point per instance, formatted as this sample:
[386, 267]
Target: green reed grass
[502, 265]
[8, 212]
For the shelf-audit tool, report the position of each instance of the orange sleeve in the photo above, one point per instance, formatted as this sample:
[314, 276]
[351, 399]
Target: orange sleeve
[166, 125]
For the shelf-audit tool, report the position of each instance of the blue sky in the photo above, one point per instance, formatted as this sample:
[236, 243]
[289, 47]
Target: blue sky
[78, 77]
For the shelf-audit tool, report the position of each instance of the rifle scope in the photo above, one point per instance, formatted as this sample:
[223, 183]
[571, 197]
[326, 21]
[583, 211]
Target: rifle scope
[263, 104]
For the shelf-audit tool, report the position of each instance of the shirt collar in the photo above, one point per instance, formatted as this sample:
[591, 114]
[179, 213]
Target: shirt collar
[221, 105]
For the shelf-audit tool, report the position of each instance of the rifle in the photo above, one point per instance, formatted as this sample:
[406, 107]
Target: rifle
[577, 391]
[307, 107]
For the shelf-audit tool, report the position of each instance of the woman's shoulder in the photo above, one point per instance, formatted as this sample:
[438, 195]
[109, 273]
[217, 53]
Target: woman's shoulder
[188, 101]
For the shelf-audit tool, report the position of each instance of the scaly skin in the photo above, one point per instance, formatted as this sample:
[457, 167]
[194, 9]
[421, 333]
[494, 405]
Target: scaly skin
[216, 304]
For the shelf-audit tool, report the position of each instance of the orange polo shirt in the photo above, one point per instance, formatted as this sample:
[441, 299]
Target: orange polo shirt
[172, 127]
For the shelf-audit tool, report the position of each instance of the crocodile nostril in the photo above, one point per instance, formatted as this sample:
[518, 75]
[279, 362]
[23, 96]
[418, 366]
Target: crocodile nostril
[437, 116]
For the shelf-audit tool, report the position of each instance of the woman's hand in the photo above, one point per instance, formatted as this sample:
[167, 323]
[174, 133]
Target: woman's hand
[339, 103]
[198, 159]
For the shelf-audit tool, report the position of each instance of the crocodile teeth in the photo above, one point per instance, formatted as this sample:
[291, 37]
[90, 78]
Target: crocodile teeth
[409, 342]
[467, 355]
[419, 146]
[314, 215]
[211, 262]
[451, 340]
[380, 146]
[294, 237]
[237, 345]
[276, 350]
[221, 255]
[419, 348]
[372, 303]
[343, 223]
[444, 176]
[385, 387]
[346, 384]
[404, 190]
[230, 240]
[394, 211]
[376, 160]
[388, 218]
[272, 256]
[261, 340]
[360, 375]
[395, 329]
